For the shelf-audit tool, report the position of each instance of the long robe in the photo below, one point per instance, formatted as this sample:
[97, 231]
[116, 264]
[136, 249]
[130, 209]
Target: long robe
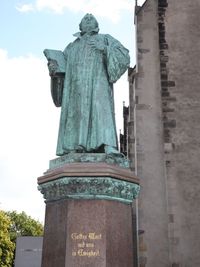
[87, 114]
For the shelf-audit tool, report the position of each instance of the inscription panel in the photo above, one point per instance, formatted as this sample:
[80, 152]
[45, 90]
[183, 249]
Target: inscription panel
[86, 244]
[86, 238]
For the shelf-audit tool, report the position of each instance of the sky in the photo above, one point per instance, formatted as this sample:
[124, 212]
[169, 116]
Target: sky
[29, 120]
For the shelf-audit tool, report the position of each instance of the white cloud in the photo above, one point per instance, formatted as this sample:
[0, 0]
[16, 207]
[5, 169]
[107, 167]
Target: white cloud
[25, 8]
[106, 8]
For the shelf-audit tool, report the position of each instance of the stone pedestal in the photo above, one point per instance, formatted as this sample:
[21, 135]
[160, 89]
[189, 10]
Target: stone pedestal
[88, 218]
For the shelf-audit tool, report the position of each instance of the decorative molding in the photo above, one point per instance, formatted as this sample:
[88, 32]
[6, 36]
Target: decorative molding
[106, 188]
[89, 169]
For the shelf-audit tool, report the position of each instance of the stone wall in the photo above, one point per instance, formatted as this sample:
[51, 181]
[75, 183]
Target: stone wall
[165, 133]
[149, 164]
[181, 119]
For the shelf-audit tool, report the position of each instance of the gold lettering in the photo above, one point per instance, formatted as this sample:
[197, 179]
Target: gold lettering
[81, 245]
[85, 244]
[89, 245]
[89, 254]
[94, 236]
[76, 236]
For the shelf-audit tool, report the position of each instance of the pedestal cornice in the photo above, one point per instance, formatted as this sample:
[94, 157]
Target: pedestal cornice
[89, 180]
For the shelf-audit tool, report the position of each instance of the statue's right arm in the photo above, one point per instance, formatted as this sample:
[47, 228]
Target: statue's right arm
[56, 61]
[52, 66]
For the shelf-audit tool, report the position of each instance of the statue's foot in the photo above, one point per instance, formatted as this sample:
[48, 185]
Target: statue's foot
[109, 150]
[80, 149]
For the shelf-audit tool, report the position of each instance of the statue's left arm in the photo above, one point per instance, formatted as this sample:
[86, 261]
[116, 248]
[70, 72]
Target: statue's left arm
[117, 58]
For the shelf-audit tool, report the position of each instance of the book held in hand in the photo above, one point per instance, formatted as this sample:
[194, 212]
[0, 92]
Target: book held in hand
[56, 61]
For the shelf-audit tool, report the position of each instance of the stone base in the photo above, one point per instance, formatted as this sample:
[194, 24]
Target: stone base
[116, 159]
[92, 233]
[88, 214]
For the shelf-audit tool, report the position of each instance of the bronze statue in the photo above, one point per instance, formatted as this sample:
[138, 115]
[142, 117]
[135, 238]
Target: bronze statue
[82, 83]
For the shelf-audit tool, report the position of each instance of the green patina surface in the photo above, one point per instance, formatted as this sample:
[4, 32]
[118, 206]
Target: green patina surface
[82, 78]
[89, 188]
[116, 159]
[89, 67]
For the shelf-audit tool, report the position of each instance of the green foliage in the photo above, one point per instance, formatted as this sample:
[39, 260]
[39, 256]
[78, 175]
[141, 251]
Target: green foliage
[6, 245]
[12, 225]
[23, 225]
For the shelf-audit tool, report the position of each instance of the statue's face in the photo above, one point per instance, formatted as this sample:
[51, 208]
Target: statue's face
[88, 23]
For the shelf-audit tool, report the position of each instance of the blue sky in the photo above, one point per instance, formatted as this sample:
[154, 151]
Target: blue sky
[29, 120]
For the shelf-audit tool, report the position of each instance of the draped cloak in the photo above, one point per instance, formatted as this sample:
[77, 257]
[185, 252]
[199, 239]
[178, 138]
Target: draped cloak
[87, 113]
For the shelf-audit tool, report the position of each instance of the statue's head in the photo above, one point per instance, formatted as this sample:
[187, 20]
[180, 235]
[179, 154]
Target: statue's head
[89, 24]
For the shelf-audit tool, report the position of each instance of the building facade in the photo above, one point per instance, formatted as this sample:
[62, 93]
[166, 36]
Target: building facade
[164, 132]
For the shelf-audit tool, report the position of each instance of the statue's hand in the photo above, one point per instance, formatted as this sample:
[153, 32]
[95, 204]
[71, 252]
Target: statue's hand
[98, 45]
[52, 67]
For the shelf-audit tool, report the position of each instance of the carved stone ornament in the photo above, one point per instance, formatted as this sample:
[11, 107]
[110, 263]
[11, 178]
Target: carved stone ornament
[89, 188]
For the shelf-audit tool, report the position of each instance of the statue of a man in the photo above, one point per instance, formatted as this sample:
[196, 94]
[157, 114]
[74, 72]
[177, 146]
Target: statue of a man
[90, 66]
